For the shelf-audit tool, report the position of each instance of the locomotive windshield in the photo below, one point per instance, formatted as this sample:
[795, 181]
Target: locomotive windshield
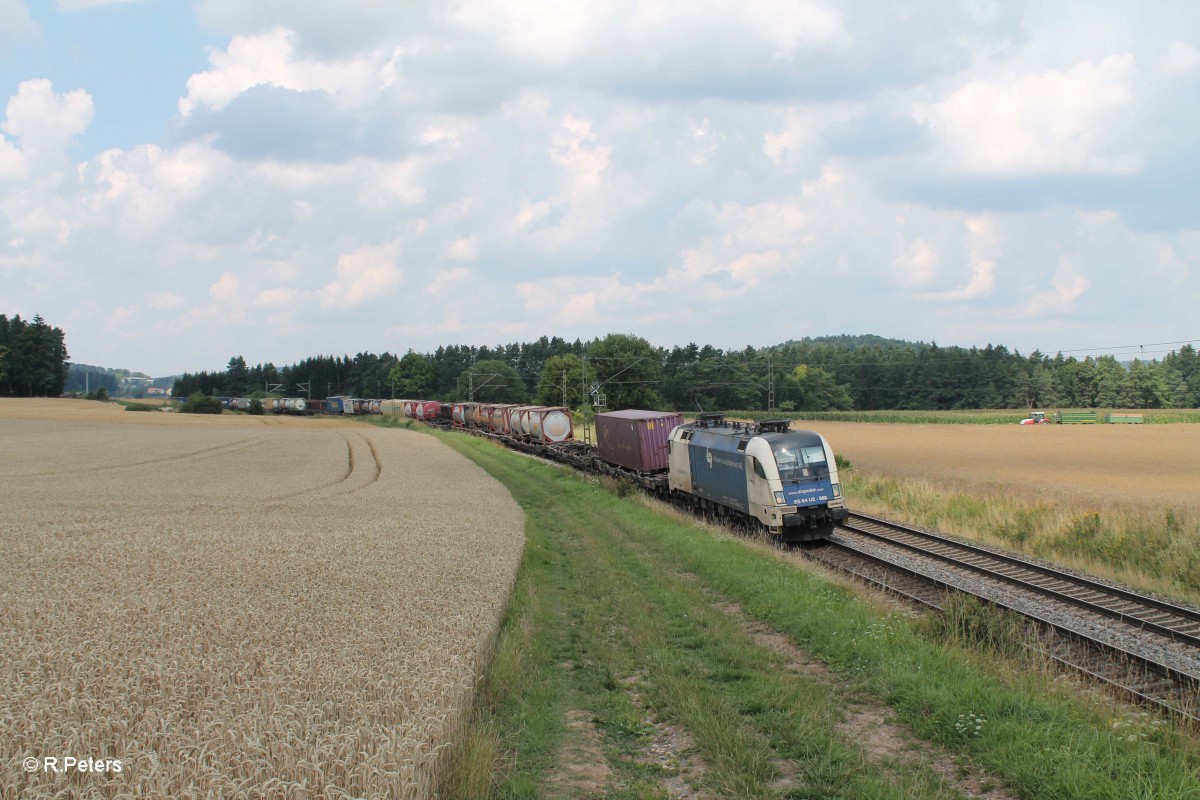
[800, 462]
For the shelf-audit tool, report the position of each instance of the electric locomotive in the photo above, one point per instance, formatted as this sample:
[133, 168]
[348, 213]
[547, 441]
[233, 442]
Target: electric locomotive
[785, 479]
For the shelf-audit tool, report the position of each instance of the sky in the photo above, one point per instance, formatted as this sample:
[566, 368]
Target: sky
[185, 182]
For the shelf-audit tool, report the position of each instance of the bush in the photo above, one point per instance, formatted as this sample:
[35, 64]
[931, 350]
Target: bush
[201, 404]
[618, 486]
[256, 407]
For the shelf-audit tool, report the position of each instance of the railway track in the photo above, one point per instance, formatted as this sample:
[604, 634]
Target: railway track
[1141, 646]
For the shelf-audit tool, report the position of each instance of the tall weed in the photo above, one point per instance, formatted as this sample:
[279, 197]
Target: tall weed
[968, 621]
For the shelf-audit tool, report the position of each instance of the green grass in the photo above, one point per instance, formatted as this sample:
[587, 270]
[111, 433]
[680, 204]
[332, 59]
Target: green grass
[612, 594]
[134, 405]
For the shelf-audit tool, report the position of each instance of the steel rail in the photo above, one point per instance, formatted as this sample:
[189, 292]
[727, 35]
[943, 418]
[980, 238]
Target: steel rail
[1171, 683]
[1165, 619]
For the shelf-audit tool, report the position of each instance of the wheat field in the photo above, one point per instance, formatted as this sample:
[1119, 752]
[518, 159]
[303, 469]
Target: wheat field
[1097, 465]
[239, 607]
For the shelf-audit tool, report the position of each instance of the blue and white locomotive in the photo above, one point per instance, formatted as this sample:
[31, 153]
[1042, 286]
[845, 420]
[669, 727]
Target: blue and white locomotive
[786, 479]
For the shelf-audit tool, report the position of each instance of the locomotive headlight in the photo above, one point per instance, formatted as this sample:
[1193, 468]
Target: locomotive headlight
[837, 490]
[779, 498]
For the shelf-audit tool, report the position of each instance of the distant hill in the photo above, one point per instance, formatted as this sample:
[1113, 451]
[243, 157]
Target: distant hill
[123, 373]
[89, 377]
[848, 342]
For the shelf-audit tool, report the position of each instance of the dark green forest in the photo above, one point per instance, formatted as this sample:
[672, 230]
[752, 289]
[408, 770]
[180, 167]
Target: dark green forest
[33, 358]
[816, 374]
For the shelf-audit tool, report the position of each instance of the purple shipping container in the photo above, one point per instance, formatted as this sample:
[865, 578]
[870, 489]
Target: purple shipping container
[638, 440]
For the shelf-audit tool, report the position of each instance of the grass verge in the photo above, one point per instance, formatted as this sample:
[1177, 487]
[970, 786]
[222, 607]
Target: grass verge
[133, 405]
[616, 624]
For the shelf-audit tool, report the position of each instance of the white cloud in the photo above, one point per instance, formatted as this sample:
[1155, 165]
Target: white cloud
[12, 164]
[142, 191]
[705, 139]
[1168, 262]
[556, 33]
[367, 274]
[787, 25]
[800, 137]
[120, 317]
[462, 249]
[283, 297]
[1066, 287]
[575, 149]
[774, 223]
[754, 270]
[446, 283]
[455, 319]
[607, 300]
[165, 301]
[270, 59]
[17, 26]
[448, 131]
[43, 121]
[581, 195]
[539, 29]
[298, 178]
[530, 214]
[1180, 59]
[981, 282]
[918, 263]
[79, 5]
[579, 309]
[747, 250]
[387, 184]
[226, 289]
[983, 230]
[1050, 122]
[826, 183]
[796, 137]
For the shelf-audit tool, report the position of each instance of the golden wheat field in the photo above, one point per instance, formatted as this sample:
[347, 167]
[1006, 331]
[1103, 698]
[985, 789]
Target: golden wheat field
[238, 606]
[1092, 464]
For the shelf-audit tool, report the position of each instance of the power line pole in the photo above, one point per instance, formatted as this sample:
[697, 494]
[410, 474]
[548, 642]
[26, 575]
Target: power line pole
[770, 383]
[471, 383]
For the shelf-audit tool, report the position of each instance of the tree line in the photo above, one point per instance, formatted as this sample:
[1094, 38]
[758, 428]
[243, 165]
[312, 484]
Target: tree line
[815, 374]
[33, 358]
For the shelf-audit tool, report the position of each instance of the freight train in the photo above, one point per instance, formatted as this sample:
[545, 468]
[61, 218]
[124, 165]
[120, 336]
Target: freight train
[760, 473]
[763, 474]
